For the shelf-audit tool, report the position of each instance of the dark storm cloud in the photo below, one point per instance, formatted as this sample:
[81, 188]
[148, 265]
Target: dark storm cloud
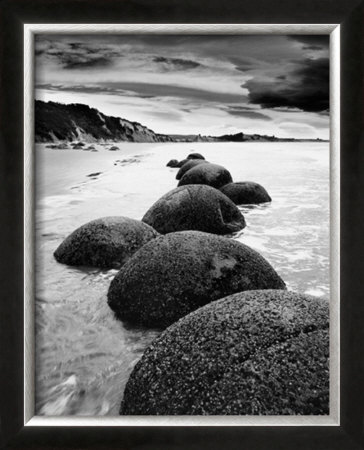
[84, 89]
[149, 90]
[319, 41]
[242, 64]
[306, 88]
[84, 61]
[198, 76]
[312, 47]
[76, 55]
[242, 111]
[176, 63]
[164, 90]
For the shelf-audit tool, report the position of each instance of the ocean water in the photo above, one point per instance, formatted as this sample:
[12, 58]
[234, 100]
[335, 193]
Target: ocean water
[83, 354]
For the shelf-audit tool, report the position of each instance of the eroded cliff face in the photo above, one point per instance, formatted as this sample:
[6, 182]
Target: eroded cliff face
[56, 122]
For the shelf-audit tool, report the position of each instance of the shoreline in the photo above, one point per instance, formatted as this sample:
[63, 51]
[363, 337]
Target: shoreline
[70, 299]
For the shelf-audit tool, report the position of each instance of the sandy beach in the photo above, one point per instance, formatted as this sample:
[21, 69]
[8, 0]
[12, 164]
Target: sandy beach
[84, 355]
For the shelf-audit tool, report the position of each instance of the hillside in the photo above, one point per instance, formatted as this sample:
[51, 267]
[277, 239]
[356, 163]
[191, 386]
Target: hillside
[58, 122]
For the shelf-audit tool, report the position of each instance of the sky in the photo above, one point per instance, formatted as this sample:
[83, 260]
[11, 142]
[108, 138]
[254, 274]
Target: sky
[193, 84]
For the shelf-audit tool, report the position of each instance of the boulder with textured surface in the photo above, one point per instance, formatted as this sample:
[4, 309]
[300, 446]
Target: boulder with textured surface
[210, 174]
[177, 273]
[195, 207]
[195, 156]
[172, 163]
[188, 165]
[106, 242]
[252, 353]
[183, 161]
[246, 192]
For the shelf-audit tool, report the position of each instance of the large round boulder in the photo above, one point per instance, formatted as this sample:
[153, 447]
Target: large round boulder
[210, 174]
[188, 165]
[195, 156]
[252, 353]
[177, 273]
[107, 242]
[195, 207]
[246, 193]
[172, 163]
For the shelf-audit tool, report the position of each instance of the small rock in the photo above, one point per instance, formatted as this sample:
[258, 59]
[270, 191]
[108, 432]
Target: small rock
[106, 242]
[188, 165]
[246, 193]
[195, 207]
[95, 174]
[195, 156]
[172, 163]
[78, 146]
[210, 174]
[183, 161]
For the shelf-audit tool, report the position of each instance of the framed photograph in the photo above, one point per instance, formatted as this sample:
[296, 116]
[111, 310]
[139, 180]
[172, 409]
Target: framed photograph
[190, 267]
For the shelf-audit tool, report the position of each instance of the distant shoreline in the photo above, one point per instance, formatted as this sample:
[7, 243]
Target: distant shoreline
[60, 123]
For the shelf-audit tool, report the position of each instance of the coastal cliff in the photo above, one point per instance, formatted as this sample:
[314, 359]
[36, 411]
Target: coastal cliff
[58, 122]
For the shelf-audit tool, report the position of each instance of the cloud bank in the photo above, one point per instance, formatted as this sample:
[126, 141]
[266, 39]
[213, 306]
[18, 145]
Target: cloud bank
[185, 84]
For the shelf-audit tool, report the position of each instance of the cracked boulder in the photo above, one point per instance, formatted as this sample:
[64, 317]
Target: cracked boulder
[175, 274]
[252, 353]
[107, 242]
[195, 207]
[246, 193]
[210, 174]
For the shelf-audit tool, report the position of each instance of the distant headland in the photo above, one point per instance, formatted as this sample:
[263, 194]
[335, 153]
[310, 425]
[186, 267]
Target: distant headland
[56, 122]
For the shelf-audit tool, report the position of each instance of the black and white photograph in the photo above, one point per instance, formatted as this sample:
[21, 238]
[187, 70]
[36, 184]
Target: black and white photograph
[182, 224]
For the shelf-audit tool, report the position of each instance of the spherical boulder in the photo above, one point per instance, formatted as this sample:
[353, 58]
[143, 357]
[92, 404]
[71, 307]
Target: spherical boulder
[195, 156]
[106, 242]
[183, 161]
[188, 165]
[175, 274]
[210, 174]
[252, 353]
[246, 193]
[195, 207]
[172, 163]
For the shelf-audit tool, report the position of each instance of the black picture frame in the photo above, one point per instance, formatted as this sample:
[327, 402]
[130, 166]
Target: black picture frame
[350, 15]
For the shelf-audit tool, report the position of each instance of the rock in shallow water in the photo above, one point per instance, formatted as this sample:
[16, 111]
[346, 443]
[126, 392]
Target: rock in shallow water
[188, 165]
[172, 163]
[252, 353]
[183, 161]
[195, 156]
[210, 174]
[246, 193]
[106, 242]
[177, 273]
[195, 207]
